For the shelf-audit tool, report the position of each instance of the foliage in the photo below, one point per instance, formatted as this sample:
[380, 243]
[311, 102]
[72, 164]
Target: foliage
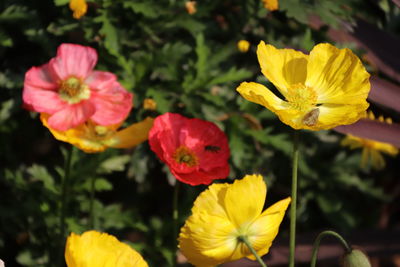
[188, 64]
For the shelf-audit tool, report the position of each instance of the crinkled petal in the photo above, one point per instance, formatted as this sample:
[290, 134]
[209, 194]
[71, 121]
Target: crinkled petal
[112, 105]
[337, 75]
[264, 229]
[41, 78]
[73, 60]
[283, 67]
[39, 100]
[71, 116]
[133, 134]
[100, 80]
[245, 199]
[95, 249]
[332, 115]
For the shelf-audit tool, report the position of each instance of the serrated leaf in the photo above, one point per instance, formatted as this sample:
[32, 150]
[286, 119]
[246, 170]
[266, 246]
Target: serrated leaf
[147, 9]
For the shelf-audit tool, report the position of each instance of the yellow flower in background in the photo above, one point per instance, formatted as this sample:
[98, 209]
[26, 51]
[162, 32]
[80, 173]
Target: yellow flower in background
[93, 138]
[149, 104]
[226, 212]
[79, 7]
[271, 5]
[191, 7]
[243, 46]
[371, 150]
[322, 90]
[95, 249]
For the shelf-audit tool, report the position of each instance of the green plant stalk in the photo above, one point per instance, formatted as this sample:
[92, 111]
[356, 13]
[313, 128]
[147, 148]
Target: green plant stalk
[175, 216]
[318, 241]
[246, 241]
[64, 202]
[91, 203]
[293, 206]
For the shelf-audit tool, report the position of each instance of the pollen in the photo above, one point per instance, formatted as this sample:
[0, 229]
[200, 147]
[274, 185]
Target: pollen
[186, 156]
[301, 97]
[73, 90]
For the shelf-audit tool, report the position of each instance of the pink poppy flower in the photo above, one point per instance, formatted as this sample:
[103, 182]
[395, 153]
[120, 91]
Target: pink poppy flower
[71, 92]
[196, 151]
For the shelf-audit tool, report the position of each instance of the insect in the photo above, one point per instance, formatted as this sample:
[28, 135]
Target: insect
[311, 118]
[212, 148]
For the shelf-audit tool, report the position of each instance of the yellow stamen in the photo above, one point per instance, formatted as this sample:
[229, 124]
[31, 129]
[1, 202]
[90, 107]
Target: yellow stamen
[301, 97]
[186, 156]
[73, 90]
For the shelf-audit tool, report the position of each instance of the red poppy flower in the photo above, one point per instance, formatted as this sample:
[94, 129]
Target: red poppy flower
[196, 151]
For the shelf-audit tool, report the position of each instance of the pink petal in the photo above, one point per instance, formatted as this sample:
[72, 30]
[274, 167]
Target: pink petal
[100, 80]
[73, 60]
[71, 116]
[112, 104]
[41, 77]
[39, 100]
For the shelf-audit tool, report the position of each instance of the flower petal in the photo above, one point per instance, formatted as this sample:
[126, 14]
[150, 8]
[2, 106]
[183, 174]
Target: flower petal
[40, 100]
[71, 116]
[133, 135]
[337, 75]
[264, 229]
[283, 67]
[73, 60]
[100, 80]
[112, 105]
[245, 199]
[332, 115]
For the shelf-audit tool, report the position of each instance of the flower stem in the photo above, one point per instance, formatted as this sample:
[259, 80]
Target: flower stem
[91, 203]
[175, 216]
[318, 241]
[246, 241]
[64, 191]
[293, 206]
[64, 202]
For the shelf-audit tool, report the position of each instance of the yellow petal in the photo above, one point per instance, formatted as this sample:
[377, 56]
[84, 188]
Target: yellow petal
[96, 249]
[132, 135]
[283, 67]
[264, 229]
[207, 240]
[79, 7]
[244, 199]
[337, 75]
[377, 160]
[332, 115]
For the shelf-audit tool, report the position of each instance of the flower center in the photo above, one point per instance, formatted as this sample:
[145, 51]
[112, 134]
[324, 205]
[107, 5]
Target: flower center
[301, 97]
[186, 156]
[73, 90]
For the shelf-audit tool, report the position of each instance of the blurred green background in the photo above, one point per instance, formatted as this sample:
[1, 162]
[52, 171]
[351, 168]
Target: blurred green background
[189, 64]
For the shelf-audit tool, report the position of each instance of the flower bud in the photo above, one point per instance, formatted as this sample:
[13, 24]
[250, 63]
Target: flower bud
[356, 258]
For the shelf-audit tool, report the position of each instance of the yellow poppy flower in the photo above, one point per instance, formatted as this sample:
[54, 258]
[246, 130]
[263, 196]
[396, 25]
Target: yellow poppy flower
[93, 138]
[149, 104]
[371, 150]
[243, 46]
[322, 90]
[79, 7]
[226, 212]
[271, 5]
[94, 249]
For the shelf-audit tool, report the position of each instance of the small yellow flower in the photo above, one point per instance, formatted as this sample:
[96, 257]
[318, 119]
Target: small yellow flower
[371, 150]
[149, 104]
[191, 7]
[243, 46]
[322, 90]
[271, 5]
[79, 7]
[94, 249]
[224, 213]
[93, 138]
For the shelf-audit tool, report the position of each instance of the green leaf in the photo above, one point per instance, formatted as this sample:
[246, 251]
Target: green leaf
[61, 2]
[147, 9]
[40, 173]
[114, 164]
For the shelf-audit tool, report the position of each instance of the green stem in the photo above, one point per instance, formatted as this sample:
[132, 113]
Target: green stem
[246, 241]
[64, 202]
[175, 216]
[64, 191]
[293, 206]
[318, 241]
[91, 203]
